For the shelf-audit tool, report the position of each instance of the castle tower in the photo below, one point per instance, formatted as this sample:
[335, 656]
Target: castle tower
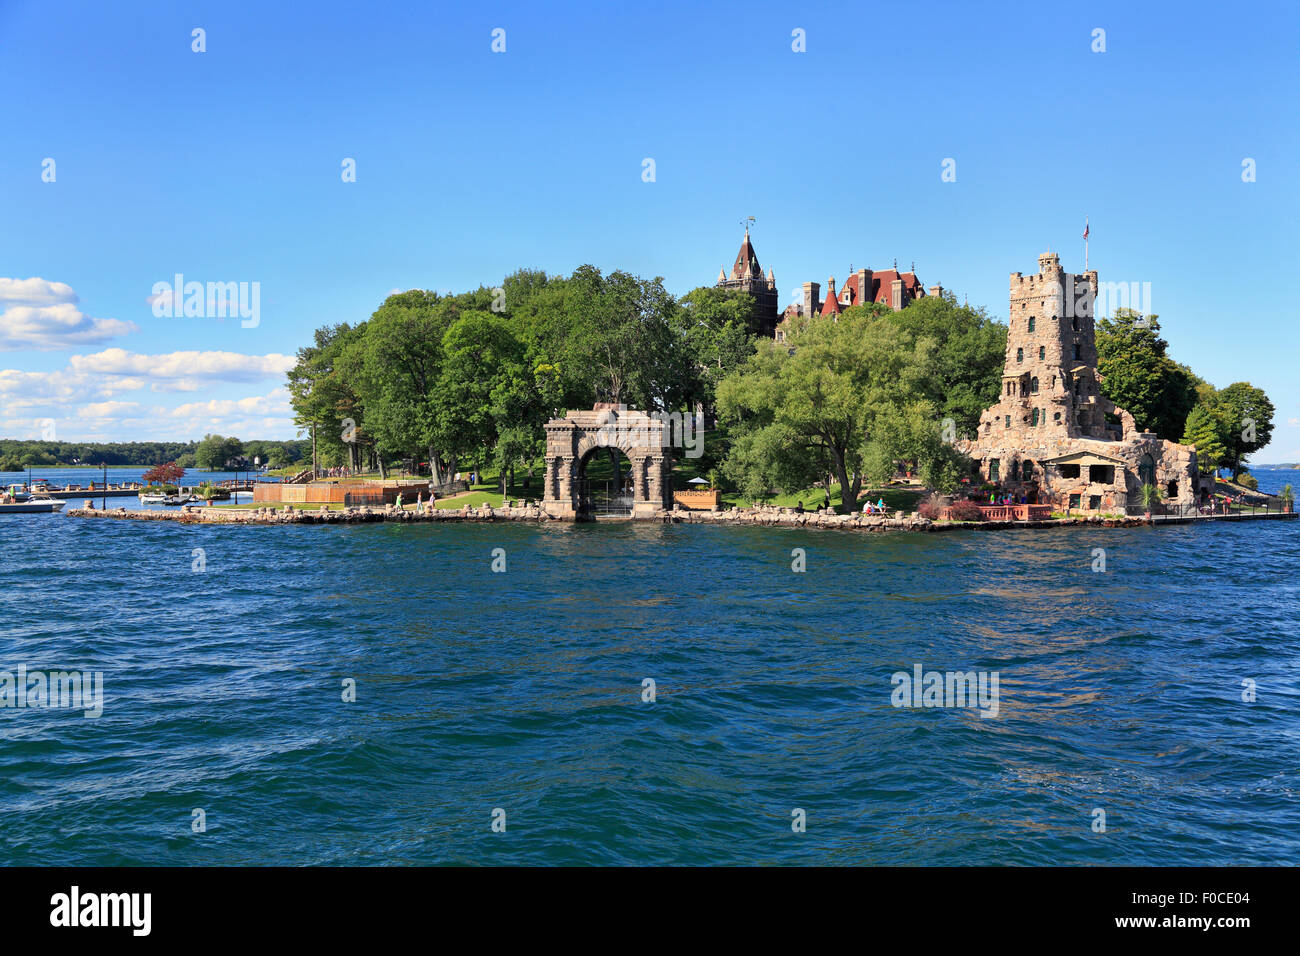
[1049, 382]
[747, 276]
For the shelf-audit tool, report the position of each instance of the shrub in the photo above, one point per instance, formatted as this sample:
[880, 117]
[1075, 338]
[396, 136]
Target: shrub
[965, 511]
[927, 509]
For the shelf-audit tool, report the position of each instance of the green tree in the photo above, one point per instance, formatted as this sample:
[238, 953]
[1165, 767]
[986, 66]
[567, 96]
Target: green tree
[1139, 376]
[717, 328]
[844, 397]
[1248, 415]
[968, 350]
[215, 450]
[1205, 430]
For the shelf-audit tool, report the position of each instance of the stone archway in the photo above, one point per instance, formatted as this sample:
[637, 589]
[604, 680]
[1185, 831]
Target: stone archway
[636, 434]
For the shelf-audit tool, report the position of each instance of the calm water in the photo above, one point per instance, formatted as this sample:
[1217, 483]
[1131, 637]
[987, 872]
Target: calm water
[522, 690]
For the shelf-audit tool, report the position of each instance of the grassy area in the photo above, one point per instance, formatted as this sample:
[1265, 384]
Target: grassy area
[898, 499]
[487, 490]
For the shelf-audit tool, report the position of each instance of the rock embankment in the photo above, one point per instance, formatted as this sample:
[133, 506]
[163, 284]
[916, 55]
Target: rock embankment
[767, 516]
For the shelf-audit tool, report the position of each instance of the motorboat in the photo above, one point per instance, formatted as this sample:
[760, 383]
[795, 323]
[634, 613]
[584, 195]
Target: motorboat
[35, 504]
[153, 498]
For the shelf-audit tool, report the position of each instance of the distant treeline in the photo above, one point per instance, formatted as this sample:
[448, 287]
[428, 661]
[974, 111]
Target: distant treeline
[16, 455]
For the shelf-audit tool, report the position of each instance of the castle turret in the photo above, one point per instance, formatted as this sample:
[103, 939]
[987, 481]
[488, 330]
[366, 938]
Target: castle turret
[747, 276]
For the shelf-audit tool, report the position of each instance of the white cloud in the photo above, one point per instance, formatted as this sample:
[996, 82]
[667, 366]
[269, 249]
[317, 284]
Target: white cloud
[183, 371]
[56, 327]
[109, 410]
[90, 400]
[39, 314]
[34, 292]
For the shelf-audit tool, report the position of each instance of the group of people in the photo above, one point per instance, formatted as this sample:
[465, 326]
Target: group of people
[340, 472]
[1007, 499]
[419, 502]
[874, 509]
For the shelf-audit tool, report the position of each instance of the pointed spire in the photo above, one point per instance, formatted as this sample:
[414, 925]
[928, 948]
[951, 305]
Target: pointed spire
[722, 274]
[746, 265]
[832, 304]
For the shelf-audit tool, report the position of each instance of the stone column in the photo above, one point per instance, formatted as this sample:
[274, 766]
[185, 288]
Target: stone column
[565, 465]
[637, 464]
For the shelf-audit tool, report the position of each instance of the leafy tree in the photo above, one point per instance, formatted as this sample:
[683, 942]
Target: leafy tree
[1205, 430]
[165, 474]
[844, 397]
[1139, 376]
[1248, 414]
[717, 328]
[215, 450]
[968, 352]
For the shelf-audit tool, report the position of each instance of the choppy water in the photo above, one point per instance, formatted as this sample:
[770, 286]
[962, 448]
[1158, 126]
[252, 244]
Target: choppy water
[522, 691]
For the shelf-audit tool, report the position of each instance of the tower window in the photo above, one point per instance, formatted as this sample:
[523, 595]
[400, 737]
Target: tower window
[1074, 324]
[1031, 323]
[1008, 422]
[1020, 355]
[1033, 386]
[1077, 356]
[1034, 421]
[993, 469]
[1042, 353]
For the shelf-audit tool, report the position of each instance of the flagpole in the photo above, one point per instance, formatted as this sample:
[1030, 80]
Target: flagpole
[1085, 243]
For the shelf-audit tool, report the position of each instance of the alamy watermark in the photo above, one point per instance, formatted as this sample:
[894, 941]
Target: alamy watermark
[922, 688]
[642, 429]
[213, 300]
[55, 690]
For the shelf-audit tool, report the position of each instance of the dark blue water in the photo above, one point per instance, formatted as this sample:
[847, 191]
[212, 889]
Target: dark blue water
[521, 690]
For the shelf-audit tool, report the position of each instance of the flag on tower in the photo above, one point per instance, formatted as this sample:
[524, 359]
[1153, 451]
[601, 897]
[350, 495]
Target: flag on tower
[1085, 228]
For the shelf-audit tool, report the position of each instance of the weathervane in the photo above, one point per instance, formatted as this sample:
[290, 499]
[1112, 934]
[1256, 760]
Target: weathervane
[746, 221]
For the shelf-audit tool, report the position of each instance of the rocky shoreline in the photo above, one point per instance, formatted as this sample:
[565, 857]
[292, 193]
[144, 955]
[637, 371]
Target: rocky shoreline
[762, 515]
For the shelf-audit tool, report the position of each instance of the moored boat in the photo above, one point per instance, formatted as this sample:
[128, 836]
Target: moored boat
[35, 504]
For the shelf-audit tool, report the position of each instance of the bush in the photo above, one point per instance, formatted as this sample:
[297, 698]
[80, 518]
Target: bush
[926, 509]
[965, 511]
[1247, 480]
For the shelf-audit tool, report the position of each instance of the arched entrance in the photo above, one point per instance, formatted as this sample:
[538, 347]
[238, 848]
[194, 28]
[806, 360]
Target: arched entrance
[582, 481]
[606, 484]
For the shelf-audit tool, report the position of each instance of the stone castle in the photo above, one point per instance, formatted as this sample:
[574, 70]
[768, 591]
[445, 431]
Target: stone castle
[1052, 436]
[891, 287]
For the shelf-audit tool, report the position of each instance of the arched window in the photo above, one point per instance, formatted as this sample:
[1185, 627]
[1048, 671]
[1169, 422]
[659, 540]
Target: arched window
[1020, 355]
[1031, 323]
[993, 469]
[1147, 470]
[1056, 417]
[1033, 385]
[1026, 470]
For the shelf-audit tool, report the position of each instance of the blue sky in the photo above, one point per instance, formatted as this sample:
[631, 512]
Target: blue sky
[226, 166]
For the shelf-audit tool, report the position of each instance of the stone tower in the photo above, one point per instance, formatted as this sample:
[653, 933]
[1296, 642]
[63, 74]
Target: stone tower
[1052, 437]
[747, 276]
[1050, 384]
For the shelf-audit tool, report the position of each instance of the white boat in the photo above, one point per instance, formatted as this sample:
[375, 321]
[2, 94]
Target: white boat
[35, 504]
[153, 499]
[18, 492]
